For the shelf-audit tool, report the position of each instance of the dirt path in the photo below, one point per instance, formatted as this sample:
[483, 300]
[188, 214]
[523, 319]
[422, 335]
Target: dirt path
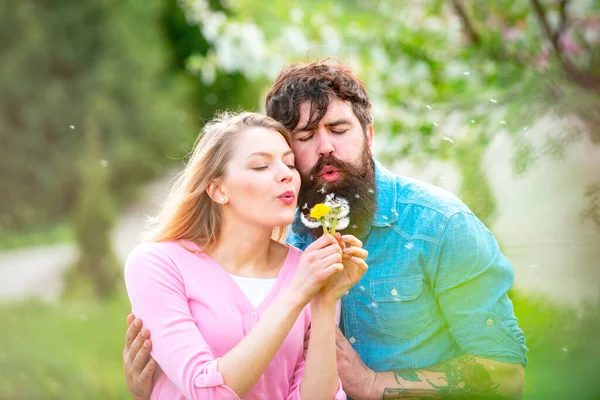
[38, 271]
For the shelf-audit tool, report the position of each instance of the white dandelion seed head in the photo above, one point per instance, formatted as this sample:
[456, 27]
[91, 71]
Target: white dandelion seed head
[309, 222]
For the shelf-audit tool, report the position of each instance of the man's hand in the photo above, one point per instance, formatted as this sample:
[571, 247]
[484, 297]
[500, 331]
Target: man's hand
[357, 379]
[139, 366]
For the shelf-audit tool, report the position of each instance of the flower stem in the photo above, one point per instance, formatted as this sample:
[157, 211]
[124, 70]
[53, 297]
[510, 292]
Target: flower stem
[324, 226]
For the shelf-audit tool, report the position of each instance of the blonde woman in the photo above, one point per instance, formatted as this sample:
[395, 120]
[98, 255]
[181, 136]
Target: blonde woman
[229, 304]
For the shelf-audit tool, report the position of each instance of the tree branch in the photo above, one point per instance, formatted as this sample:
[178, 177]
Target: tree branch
[563, 19]
[540, 13]
[467, 24]
[584, 79]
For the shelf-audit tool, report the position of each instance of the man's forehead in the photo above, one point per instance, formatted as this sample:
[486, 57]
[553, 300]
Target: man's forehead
[336, 110]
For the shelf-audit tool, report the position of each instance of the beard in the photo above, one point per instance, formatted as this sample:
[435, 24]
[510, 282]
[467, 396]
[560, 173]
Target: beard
[356, 184]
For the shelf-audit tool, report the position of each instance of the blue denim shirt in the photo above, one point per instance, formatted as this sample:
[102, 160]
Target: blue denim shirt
[437, 283]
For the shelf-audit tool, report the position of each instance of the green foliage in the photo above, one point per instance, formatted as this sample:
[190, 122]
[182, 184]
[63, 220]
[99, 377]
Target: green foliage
[74, 350]
[434, 70]
[69, 61]
[94, 218]
[63, 351]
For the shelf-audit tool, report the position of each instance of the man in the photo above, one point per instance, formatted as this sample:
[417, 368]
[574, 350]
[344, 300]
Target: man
[431, 317]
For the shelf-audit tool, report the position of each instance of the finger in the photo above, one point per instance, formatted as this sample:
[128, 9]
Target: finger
[132, 332]
[361, 263]
[322, 258]
[331, 270]
[130, 319]
[322, 242]
[356, 252]
[143, 356]
[148, 371]
[136, 345]
[352, 240]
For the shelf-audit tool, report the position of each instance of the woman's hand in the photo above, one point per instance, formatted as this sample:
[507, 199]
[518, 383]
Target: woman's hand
[353, 259]
[319, 264]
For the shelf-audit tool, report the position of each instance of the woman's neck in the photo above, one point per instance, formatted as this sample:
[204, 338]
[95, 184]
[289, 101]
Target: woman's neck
[246, 250]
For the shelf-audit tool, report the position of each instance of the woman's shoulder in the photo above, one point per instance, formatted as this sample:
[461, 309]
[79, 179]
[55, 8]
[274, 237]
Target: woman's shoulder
[170, 253]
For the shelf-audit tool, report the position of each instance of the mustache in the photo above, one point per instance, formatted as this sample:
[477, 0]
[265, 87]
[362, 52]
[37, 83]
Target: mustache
[328, 160]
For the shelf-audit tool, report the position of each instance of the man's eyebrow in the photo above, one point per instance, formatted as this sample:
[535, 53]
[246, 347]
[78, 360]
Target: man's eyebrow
[265, 154]
[337, 122]
[340, 121]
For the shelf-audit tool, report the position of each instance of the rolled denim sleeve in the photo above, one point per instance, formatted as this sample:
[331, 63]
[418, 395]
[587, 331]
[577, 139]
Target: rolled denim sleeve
[470, 278]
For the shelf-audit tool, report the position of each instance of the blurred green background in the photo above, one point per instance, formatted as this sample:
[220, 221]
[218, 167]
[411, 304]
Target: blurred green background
[100, 101]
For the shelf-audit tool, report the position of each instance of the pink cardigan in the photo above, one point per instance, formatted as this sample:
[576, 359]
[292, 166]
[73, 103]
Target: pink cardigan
[196, 313]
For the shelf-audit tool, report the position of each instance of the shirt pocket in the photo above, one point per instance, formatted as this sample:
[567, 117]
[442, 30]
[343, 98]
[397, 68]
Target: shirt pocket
[400, 308]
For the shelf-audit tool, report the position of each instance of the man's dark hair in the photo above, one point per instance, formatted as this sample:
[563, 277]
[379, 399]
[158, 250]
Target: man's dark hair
[315, 82]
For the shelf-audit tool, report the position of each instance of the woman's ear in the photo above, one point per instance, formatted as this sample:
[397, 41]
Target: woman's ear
[216, 193]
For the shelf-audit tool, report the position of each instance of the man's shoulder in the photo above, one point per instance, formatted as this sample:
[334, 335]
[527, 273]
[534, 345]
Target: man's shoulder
[414, 193]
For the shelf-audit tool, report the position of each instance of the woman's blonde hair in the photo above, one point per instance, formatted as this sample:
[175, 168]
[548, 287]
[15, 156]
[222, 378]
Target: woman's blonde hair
[189, 212]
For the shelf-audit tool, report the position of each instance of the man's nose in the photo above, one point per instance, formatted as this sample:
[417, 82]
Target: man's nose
[325, 146]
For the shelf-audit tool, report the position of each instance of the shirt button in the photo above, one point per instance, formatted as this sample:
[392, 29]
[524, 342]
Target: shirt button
[490, 322]
[254, 314]
[394, 292]
[352, 340]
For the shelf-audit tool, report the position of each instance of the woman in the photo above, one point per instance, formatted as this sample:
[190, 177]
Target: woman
[228, 306]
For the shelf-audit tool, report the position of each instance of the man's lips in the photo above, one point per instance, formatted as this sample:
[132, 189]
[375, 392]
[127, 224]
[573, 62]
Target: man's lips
[330, 174]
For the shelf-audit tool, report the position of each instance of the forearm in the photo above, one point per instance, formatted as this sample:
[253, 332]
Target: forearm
[470, 376]
[245, 363]
[320, 380]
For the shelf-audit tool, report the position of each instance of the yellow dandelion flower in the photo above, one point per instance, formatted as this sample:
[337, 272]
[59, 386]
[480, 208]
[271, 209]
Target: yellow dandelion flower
[319, 211]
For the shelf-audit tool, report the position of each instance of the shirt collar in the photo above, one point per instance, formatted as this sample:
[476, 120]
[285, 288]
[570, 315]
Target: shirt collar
[385, 192]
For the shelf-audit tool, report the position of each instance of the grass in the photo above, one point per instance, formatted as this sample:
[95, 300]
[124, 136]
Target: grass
[73, 350]
[58, 233]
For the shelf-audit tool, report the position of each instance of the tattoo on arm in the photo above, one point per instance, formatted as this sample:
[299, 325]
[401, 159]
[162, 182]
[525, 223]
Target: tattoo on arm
[462, 378]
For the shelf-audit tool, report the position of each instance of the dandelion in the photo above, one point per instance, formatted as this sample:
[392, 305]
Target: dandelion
[331, 214]
[319, 212]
